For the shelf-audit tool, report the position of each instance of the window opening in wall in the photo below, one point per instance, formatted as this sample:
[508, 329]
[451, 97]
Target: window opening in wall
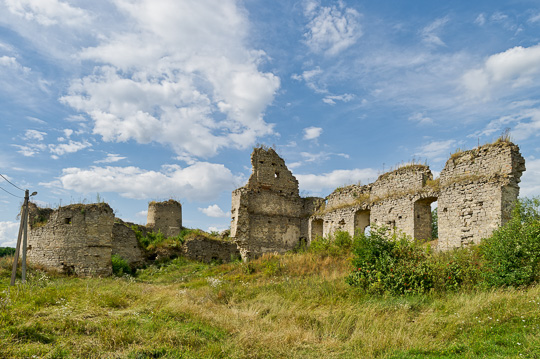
[67, 221]
[367, 230]
[361, 220]
[276, 175]
[434, 221]
[317, 226]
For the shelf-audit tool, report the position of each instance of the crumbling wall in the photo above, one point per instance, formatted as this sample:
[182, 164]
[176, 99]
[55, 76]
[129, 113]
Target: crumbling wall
[345, 209]
[125, 244]
[268, 214]
[73, 239]
[207, 250]
[478, 190]
[401, 200]
[165, 217]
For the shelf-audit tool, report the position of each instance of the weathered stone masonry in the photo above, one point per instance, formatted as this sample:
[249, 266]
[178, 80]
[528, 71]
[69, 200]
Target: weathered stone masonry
[75, 239]
[81, 238]
[475, 192]
[268, 214]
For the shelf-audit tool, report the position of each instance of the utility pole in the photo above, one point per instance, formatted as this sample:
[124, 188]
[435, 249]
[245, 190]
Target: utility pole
[23, 232]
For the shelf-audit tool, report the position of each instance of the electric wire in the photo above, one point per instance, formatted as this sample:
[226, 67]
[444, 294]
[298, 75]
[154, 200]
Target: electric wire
[8, 181]
[10, 193]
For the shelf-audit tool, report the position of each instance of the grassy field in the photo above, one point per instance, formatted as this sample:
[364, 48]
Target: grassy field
[291, 306]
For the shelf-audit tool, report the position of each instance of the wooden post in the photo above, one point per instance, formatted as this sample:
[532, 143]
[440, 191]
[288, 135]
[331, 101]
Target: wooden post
[25, 234]
[22, 227]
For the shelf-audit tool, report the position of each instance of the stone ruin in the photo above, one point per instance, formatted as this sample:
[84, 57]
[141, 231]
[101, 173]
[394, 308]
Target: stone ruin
[268, 214]
[476, 192]
[81, 238]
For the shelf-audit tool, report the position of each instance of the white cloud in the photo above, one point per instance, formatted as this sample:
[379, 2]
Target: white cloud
[111, 158]
[480, 19]
[311, 133]
[329, 181]
[8, 234]
[331, 99]
[142, 214]
[430, 33]
[34, 135]
[12, 63]
[530, 181]
[534, 18]
[202, 181]
[438, 150]
[215, 211]
[420, 118]
[180, 76]
[48, 12]
[513, 68]
[312, 79]
[331, 29]
[30, 150]
[37, 120]
[70, 147]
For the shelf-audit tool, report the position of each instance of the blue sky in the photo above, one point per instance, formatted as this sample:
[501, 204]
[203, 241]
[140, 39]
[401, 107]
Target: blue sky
[140, 100]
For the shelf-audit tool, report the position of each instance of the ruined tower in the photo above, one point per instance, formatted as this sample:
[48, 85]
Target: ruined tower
[268, 214]
[165, 217]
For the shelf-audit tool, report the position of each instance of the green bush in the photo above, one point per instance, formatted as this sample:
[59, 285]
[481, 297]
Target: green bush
[334, 245]
[512, 254]
[392, 263]
[6, 251]
[120, 266]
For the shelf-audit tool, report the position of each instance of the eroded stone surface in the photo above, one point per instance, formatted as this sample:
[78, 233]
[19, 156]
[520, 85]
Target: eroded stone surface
[74, 239]
[476, 193]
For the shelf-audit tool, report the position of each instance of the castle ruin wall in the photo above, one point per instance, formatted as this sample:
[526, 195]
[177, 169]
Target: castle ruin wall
[267, 213]
[75, 239]
[478, 191]
[207, 250]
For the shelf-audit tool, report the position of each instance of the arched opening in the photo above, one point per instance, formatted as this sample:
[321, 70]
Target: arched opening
[423, 226]
[361, 221]
[316, 228]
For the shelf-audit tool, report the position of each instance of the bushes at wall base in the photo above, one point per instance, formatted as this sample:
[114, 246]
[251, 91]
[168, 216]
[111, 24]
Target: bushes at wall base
[120, 266]
[512, 253]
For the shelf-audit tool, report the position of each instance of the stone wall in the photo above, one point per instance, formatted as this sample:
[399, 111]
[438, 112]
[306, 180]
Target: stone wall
[125, 244]
[268, 214]
[401, 200]
[207, 250]
[165, 217]
[73, 239]
[478, 190]
[475, 192]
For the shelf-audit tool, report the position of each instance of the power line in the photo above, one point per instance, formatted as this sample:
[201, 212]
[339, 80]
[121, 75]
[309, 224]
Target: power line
[10, 192]
[11, 183]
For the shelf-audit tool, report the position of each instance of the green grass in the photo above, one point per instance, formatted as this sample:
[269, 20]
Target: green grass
[291, 306]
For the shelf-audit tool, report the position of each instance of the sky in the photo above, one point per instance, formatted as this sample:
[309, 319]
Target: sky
[130, 101]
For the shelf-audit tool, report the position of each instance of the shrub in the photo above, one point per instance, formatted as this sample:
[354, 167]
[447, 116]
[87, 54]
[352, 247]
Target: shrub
[6, 251]
[512, 253]
[392, 263]
[334, 245]
[120, 266]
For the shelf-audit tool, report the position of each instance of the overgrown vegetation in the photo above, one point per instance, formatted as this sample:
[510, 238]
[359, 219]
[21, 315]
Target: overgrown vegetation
[393, 264]
[6, 251]
[296, 305]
